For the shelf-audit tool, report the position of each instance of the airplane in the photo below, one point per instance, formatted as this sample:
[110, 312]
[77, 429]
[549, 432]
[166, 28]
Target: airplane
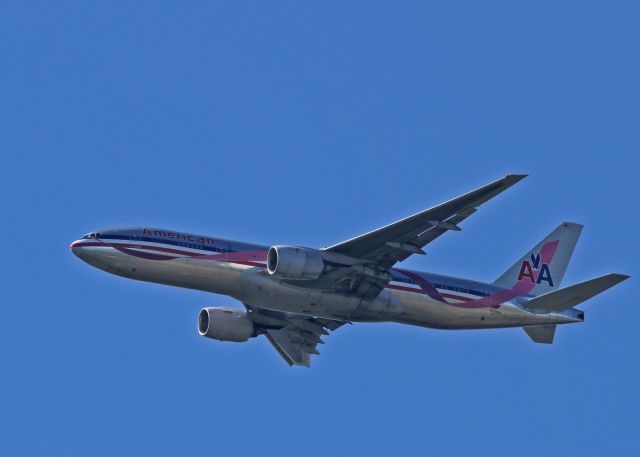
[294, 295]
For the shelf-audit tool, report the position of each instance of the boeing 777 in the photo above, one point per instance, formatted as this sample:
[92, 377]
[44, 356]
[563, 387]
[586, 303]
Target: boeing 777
[294, 295]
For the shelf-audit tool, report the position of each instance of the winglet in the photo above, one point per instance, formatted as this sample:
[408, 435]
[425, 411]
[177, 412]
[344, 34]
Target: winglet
[514, 178]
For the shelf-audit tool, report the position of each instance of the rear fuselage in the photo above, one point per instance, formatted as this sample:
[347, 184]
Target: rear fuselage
[238, 269]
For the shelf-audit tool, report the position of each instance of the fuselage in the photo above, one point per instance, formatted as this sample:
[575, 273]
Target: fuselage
[238, 269]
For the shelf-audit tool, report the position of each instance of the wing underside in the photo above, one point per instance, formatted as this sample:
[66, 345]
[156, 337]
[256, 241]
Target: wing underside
[294, 336]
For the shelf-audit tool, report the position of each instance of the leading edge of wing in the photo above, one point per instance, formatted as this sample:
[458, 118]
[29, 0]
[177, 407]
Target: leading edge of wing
[410, 227]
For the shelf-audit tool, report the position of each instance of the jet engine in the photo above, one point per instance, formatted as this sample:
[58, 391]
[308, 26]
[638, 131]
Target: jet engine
[225, 324]
[295, 263]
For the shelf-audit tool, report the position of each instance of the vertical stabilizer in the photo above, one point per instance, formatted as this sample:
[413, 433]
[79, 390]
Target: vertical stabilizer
[545, 264]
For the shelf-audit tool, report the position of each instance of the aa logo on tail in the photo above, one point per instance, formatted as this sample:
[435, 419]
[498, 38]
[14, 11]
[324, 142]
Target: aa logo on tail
[535, 271]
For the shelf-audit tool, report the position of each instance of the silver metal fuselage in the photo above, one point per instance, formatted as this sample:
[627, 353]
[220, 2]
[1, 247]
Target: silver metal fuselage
[239, 270]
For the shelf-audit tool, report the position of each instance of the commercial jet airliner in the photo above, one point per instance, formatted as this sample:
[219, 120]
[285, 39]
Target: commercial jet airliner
[293, 295]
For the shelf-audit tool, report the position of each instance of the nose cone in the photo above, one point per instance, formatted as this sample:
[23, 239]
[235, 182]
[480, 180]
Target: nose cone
[78, 250]
[97, 253]
[85, 247]
[91, 252]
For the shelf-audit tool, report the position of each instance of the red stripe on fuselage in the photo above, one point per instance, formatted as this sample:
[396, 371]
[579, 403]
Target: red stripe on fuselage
[420, 291]
[231, 257]
[131, 249]
[132, 246]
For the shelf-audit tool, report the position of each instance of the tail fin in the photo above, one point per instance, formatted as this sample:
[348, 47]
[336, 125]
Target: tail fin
[545, 264]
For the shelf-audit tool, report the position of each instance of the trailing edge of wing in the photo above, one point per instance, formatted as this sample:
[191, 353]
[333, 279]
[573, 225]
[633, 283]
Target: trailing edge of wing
[395, 242]
[290, 352]
[294, 336]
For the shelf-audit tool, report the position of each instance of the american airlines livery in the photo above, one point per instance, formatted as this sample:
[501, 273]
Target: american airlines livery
[293, 295]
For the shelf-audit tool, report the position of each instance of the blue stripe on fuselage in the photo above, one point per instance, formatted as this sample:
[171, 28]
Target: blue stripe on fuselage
[183, 244]
[440, 282]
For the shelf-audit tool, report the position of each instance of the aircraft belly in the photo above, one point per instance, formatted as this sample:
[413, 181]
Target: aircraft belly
[423, 311]
[261, 290]
[206, 275]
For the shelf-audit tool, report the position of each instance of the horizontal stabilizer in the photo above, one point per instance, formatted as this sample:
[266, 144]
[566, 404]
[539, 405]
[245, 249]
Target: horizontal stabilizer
[568, 297]
[541, 333]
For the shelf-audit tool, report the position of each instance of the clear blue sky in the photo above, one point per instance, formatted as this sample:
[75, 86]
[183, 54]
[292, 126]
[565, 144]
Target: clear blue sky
[308, 123]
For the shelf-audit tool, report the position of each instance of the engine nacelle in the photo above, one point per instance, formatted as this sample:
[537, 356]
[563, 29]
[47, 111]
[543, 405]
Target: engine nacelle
[295, 263]
[225, 324]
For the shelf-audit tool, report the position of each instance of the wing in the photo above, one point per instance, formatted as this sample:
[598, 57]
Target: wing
[294, 336]
[380, 249]
[395, 242]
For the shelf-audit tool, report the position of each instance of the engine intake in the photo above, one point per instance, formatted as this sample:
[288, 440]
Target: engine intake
[295, 263]
[225, 324]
